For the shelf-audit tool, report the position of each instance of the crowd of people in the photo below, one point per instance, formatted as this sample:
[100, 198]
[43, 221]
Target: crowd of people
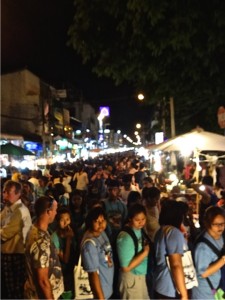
[120, 219]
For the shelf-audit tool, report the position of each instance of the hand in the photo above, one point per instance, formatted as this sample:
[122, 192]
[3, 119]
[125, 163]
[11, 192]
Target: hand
[146, 249]
[69, 232]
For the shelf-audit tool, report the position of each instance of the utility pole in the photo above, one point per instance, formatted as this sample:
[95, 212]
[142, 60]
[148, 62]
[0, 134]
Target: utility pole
[172, 118]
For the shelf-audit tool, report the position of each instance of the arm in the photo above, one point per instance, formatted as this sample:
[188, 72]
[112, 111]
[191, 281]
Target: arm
[105, 175]
[65, 256]
[137, 259]
[214, 267]
[13, 227]
[44, 283]
[93, 177]
[96, 285]
[86, 179]
[205, 196]
[178, 274]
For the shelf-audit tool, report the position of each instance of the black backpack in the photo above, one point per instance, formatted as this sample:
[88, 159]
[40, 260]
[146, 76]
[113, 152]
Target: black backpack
[144, 237]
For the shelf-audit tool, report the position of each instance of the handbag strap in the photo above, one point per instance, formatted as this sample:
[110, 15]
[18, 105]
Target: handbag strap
[87, 240]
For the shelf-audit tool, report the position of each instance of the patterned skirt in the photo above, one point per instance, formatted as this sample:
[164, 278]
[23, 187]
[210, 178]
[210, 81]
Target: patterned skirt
[13, 276]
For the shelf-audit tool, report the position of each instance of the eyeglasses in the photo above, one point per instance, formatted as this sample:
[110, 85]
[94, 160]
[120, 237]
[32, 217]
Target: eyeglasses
[218, 224]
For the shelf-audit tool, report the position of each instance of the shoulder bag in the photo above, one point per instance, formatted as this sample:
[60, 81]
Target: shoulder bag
[187, 263]
[82, 285]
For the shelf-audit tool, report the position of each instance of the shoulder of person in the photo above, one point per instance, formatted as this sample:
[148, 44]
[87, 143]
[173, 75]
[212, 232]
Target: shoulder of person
[88, 241]
[123, 235]
[171, 231]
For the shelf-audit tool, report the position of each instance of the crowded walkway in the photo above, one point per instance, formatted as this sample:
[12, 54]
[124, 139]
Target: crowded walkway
[118, 216]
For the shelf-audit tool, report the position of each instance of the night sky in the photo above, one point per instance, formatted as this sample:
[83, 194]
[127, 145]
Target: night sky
[34, 35]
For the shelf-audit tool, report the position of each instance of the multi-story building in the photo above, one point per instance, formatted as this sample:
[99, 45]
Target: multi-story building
[30, 108]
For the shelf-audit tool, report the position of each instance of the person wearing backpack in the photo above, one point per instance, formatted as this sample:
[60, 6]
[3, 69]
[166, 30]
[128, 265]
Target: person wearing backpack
[133, 250]
[209, 254]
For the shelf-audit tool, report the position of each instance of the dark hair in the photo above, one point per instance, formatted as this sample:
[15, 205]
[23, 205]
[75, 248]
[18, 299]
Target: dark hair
[58, 190]
[62, 210]
[10, 183]
[171, 213]
[210, 214]
[111, 183]
[151, 195]
[135, 209]
[93, 215]
[207, 180]
[44, 179]
[28, 183]
[42, 204]
[141, 166]
[133, 197]
[148, 179]
[127, 178]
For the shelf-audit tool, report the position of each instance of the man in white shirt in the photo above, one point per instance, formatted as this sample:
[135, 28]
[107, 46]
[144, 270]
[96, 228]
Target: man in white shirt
[15, 224]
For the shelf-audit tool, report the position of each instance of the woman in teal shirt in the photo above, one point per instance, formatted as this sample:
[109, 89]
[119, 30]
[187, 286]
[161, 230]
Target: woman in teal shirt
[132, 281]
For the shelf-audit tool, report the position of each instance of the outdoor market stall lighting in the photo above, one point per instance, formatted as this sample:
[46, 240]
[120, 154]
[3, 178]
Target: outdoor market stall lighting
[157, 164]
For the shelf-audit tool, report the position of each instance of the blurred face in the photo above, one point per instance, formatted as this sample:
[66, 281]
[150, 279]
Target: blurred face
[64, 220]
[138, 221]
[10, 196]
[115, 191]
[26, 188]
[217, 227]
[41, 183]
[99, 225]
[147, 184]
[77, 201]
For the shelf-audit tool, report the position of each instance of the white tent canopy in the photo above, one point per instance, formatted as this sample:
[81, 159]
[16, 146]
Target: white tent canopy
[195, 140]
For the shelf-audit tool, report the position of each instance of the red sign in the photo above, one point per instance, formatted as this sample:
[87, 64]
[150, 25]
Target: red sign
[221, 116]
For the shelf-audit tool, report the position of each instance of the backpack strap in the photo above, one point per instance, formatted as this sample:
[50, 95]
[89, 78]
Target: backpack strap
[210, 245]
[216, 251]
[130, 231]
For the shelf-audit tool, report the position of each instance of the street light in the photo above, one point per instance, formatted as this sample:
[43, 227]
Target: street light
[138, 125]
[141, 97]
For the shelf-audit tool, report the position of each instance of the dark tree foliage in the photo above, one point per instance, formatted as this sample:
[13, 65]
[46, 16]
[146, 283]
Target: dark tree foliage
[167, 48]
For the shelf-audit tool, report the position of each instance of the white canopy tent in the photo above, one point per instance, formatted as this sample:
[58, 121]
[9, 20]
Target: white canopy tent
[195, 140]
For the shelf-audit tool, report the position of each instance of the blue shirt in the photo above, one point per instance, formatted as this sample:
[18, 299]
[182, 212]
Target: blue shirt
[203, 257]
[97, 256]
[171, 243]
